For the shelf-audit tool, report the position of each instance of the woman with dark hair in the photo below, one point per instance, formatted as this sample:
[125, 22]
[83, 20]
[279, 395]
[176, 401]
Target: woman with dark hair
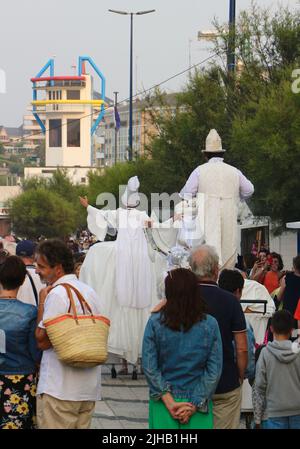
[273, 276]
[182, 357]
[18, 350]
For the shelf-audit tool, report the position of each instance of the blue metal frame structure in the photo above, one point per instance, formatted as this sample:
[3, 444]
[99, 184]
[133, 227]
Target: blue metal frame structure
[82, 59]
[103, 84]
[50, 64]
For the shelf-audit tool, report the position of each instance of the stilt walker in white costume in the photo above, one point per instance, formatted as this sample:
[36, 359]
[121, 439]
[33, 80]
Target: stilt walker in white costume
[222, 186]
[121, 272]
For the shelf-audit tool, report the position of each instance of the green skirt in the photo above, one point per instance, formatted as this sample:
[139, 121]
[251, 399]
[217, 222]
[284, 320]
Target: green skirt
[160, 418]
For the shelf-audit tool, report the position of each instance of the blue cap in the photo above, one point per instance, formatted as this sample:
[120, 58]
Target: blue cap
[25, 248]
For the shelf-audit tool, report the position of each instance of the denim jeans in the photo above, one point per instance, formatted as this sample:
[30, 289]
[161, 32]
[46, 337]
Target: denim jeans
[284, 422]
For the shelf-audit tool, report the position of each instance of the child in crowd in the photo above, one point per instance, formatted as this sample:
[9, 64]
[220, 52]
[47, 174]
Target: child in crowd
[277, 377]
[258, 401]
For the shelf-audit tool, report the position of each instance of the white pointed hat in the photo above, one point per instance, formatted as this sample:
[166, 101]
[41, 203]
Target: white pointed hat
[130, 197]
[213, 143]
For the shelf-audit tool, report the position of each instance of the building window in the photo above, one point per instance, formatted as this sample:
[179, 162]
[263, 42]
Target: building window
[83, 180]
[55, 133]
[73, 133]
[73, 94]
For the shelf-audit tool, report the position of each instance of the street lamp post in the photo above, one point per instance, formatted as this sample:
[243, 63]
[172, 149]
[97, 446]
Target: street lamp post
[210, 35]
[138, 13]
[116, 129]
[231, 39]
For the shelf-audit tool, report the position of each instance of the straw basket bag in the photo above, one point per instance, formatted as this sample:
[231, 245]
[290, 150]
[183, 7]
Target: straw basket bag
[78, 340]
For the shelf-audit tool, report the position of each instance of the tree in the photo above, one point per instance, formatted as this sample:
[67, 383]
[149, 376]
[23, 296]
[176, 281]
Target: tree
[265, 43]
[110, 181]
[176, 150]
[254, 111]
[41, 152]
[270, 143]
[61, 185]
[42, 212]
[16, 169]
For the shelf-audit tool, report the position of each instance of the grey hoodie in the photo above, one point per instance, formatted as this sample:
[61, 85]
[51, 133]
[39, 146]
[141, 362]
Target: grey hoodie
[277, 378]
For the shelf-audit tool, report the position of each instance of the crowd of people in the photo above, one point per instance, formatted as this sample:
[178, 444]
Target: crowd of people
[36, 389]
[197, 348]
[200, 344]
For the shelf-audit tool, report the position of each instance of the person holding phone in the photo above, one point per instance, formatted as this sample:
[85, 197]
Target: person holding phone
[274, 274]
[260, 267]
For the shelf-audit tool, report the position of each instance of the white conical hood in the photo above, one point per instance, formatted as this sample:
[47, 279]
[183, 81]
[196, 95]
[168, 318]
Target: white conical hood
[130, 197]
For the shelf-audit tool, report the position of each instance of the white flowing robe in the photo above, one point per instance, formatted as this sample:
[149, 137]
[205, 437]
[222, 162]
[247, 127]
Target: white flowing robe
[222, 187]
[220, 184]
[122, 274]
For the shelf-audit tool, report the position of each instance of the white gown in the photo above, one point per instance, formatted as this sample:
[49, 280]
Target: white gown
[223, 187]
[123, 275]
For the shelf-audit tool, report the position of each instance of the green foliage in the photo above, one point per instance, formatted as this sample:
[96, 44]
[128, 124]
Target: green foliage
[176, 151]
[255, 113]
[16, 169]
[265, 43]
[270, 144]
[34, 183]
[63, 188]
[119, 175]
[42, 212]
[41, 153]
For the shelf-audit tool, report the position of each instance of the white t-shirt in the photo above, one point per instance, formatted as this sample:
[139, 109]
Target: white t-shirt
[58, 379]
[25, 293]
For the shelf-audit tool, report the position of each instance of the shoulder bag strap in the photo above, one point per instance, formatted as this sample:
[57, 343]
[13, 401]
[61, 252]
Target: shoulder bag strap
[72, 307]
[80, 298]
[33, 287]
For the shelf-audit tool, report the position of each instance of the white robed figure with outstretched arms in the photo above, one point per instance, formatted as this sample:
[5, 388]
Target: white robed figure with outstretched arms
[122, 272]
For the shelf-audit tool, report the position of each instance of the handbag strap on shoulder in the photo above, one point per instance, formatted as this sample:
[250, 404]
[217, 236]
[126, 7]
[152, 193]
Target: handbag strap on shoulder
[84, 305]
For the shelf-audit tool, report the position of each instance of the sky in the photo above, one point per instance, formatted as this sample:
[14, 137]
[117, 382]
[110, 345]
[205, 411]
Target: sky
[32, 31]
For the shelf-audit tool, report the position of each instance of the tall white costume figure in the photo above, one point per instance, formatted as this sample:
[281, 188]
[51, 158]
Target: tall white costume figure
[122, 273]
[222, 186]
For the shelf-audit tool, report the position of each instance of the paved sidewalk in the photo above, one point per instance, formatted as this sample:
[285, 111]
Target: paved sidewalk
[124, 402]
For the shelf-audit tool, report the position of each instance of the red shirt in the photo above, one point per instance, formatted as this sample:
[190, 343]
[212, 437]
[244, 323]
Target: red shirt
[297, 311]
[271, 281]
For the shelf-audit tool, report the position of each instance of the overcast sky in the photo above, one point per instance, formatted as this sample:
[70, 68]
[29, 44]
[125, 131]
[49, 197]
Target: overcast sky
[32, 31]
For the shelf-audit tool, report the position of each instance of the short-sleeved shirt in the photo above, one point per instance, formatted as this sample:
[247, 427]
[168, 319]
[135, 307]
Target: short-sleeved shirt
[56, 378]
[225, 308]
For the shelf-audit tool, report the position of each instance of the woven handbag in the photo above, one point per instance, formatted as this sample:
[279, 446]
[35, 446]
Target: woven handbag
[78, 340]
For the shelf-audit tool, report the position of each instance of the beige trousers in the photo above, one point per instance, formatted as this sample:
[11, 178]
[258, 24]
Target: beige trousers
[227, 409]
[53, 413]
